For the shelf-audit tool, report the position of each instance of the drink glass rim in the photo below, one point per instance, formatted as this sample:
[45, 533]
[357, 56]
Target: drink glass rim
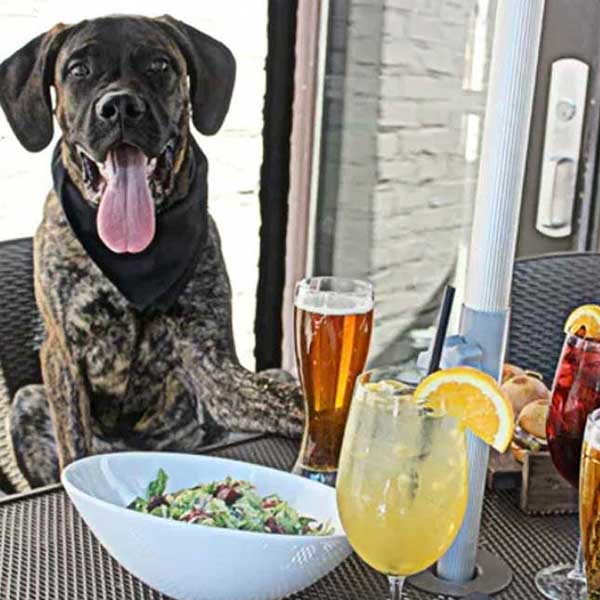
[347, 296]
[594, 417]
[413, 406]
[363, 286]
[383, 372]
[587, 340]
[592, 429]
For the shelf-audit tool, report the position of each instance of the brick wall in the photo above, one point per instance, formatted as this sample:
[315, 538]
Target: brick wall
[405, 187]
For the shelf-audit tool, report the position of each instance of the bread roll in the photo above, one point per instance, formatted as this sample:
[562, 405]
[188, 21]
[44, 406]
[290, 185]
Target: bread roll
[533, 416]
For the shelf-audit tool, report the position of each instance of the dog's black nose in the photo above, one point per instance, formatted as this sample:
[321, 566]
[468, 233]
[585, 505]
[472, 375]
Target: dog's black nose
[120, 105]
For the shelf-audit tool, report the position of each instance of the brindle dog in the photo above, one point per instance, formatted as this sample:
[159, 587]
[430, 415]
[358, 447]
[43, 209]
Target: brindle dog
[116, 378]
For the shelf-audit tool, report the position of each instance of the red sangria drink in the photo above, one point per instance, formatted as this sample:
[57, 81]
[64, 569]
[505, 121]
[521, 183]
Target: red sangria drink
[575, 394]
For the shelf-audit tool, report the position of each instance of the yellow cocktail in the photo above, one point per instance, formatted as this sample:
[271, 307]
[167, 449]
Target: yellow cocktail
[402, 480]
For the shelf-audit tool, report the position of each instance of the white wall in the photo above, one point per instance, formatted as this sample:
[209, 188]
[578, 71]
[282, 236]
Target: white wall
[234, 154]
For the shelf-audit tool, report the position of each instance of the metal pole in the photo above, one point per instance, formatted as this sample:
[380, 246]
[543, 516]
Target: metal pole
[494, 234]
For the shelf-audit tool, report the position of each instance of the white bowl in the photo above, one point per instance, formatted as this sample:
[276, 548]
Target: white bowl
[195, 562]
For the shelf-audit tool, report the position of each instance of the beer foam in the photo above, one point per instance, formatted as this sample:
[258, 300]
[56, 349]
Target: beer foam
[332, 303]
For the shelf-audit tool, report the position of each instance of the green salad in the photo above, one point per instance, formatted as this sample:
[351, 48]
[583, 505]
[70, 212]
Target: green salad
[231, 504]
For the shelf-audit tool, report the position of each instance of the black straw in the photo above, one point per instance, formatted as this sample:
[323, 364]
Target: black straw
[442, 327]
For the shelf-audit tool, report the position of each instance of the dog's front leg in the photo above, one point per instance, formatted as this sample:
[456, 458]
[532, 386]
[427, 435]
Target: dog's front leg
[240, 400]
[68, 401]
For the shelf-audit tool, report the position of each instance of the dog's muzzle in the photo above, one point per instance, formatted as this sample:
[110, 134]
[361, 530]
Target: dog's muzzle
[128, 182]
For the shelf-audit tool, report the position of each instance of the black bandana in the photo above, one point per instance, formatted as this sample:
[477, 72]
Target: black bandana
[154, 278]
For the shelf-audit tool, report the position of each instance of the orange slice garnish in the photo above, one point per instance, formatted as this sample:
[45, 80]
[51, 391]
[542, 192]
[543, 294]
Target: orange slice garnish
[584, 321]
[475, 399]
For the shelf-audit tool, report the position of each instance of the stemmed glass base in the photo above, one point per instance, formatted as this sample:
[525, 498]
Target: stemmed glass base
[554, 583]
[564, 582]
[396, 585]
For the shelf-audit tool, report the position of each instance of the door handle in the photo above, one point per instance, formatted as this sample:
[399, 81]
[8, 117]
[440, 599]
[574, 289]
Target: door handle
[560, 209]
[562, 145]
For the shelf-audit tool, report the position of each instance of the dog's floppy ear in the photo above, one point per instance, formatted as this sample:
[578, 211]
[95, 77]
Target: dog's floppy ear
[25, 79]
[211, 68]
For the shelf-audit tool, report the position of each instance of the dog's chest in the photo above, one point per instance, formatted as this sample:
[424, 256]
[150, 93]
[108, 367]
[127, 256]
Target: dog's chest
[126, 356]
[127, 379]
[122, 355]
[128, 363]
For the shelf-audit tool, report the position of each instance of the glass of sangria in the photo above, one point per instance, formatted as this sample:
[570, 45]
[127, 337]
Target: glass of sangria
[575, 394]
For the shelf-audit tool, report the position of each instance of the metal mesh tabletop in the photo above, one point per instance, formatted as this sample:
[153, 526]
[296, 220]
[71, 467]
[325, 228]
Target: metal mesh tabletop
[47, 552]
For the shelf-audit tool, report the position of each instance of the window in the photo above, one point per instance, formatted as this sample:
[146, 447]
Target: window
[234, 154]
[404, 96]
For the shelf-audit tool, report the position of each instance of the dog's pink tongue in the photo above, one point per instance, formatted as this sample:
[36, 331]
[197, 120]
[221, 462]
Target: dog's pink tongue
[125, 218]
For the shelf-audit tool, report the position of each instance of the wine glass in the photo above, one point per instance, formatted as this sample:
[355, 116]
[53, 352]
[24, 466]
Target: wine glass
[402, 480]
[575, 394]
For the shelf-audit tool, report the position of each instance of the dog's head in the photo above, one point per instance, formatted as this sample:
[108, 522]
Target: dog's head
[123, 104]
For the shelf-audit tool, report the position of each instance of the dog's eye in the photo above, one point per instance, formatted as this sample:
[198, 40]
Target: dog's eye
[159, 65]
[79, 70]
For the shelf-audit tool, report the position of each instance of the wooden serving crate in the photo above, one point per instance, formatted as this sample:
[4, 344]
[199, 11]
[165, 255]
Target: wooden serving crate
[542, 489]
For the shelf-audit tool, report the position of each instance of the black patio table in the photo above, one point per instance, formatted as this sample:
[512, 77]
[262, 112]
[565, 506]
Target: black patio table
[48, 553]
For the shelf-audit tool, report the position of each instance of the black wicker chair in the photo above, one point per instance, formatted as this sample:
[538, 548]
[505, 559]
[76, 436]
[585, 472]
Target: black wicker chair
[21, 333]
[21, 329]
[545, 290]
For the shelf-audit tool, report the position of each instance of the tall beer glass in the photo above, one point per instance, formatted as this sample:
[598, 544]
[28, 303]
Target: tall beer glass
[333, 319]
[589, 504]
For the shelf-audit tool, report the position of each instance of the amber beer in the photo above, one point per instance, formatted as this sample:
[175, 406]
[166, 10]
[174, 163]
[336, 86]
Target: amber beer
[333, 319]
[589, 504]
